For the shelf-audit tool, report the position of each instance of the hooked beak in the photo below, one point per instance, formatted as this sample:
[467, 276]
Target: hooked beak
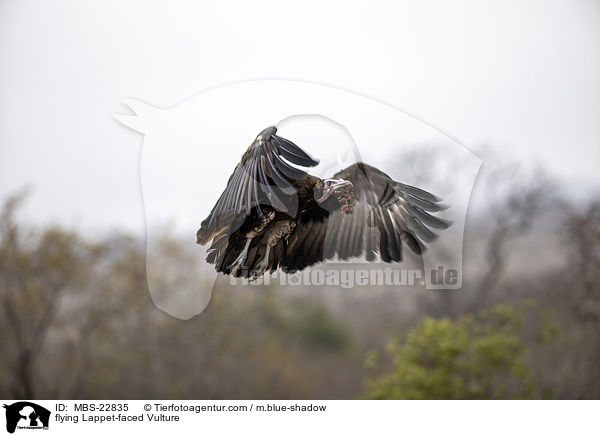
[334, 187]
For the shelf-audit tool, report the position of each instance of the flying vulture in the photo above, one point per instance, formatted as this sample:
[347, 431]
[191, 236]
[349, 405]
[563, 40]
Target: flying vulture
[275, 215]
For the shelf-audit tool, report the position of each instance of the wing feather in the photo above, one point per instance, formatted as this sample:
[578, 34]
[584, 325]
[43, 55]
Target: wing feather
[264, 177]
[387, 214]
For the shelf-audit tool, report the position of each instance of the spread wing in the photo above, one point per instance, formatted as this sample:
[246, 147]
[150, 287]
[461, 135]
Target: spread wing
[262, 178]
[387, 215]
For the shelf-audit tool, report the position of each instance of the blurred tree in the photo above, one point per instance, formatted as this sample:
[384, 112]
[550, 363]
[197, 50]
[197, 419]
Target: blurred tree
[516, 201]
[35, 271]
[583, 238]
[70, 306]
[315, 327]
[583, 282]
[474, 357]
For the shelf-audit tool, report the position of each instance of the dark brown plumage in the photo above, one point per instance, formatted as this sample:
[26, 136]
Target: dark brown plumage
[274, 215]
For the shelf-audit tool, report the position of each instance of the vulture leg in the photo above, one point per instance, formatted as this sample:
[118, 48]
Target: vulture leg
[262, 265]
[241, 259]
[275, 233]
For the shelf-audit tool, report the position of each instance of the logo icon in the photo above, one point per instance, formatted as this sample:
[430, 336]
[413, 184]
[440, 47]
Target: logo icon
[189, 149]
[26, 415]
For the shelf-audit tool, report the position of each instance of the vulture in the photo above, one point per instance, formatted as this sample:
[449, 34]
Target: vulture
[273, 214]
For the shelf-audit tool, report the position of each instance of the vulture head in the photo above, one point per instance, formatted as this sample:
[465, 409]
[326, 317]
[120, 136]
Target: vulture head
[334, 194]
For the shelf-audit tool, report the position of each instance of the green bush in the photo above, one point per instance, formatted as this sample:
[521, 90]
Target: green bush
[473, 357]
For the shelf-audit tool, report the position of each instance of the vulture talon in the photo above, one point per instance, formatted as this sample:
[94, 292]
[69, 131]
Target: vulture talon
[238, 263]
[262, 266]
[258, 272]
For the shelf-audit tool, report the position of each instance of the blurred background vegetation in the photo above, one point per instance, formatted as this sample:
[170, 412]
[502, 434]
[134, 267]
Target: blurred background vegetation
[77, 321]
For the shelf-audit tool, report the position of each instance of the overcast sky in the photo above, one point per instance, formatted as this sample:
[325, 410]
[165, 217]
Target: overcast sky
[521, 76]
